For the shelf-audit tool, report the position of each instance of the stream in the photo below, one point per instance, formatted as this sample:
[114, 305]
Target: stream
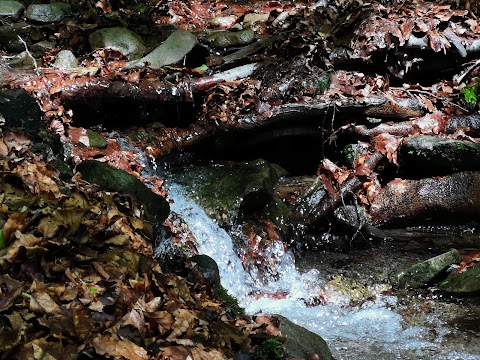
[388, 327]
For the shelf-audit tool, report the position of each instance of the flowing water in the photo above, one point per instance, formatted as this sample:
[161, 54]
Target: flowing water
[373, 330]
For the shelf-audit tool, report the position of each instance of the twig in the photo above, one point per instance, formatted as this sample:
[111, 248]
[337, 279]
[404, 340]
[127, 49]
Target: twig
[30, 55]
[457, 79]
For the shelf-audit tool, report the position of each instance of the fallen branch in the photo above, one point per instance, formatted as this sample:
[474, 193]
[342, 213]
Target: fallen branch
[429, 124]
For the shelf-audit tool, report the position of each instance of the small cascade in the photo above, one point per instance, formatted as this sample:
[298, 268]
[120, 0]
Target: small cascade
[213, 241]
[370, 331]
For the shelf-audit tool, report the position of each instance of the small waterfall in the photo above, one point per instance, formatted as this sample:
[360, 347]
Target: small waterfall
[213, 241]
[371, 331]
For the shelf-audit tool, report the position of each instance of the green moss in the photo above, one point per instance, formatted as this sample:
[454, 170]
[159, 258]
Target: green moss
[270, 349]
[110, 179]
[233, 309]
[96, 140]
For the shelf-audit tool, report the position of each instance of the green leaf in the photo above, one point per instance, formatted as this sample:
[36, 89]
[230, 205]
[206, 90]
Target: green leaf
[471, 94]
[92, 290]
[201, 69]
[2, 240]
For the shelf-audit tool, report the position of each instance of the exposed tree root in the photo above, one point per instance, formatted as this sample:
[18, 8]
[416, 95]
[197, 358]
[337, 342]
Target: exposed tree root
[450, 196]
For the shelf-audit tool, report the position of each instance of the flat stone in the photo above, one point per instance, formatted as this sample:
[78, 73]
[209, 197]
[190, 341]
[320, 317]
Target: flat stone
[120, 39]
[422, 273]
[39, 49]
[171, 51]
[45, 13]
[11, 9]
[65, 60]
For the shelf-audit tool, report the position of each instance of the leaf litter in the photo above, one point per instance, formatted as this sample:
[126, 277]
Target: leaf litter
[78, 278]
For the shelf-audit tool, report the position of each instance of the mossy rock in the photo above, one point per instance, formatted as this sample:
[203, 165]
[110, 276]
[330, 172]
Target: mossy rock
[430, 155]
[229, 190]
[96, 140]
[422, 273]
[466, 283]
[110, 179]
[207, 270]
[302, 343]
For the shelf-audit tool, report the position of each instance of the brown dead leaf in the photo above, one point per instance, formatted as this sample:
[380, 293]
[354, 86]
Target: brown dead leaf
[29, 241]
[10, 289]
[11, 336]
[42, 303]
[15, 222]
[182, 353]
[112, 345]
[38, 179]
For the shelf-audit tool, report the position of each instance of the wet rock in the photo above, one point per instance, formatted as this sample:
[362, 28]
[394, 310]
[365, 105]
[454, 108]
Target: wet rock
[229, 190]
[171, 51]
[207, 268]
[467, 282]
[9, 36]
[437, 156]
[11, 9]
[422, 273]
[120, 39]
[39, 49]
[226, 39]
[65, 60]
[110, 179]
[300, 193]
[342, 290]
[302, 343]
[45, 13]
[352, 216]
